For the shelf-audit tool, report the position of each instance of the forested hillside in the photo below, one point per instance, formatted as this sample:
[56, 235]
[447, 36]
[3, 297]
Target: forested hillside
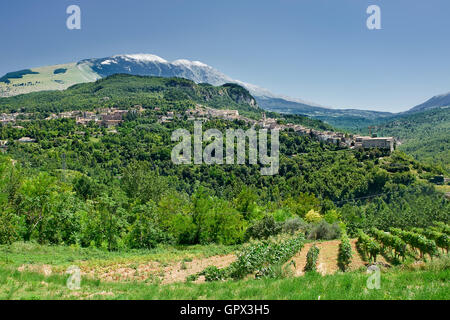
[125, 91]
[425, 136]
[93, 187]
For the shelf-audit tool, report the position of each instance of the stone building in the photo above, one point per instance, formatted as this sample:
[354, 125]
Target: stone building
[113, 118]
[386, 143]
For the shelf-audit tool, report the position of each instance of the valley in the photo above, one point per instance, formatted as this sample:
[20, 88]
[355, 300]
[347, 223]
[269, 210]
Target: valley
[87, 181]
[213, 157]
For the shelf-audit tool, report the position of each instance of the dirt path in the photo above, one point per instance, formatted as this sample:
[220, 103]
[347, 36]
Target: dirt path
[327, 262]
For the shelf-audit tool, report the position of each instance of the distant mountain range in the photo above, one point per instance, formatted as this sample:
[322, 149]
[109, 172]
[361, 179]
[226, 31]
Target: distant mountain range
[437, 101]
[60, 77]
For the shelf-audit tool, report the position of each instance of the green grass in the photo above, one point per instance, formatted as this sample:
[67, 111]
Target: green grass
[397, 284]
[417, 281]
[20, 253]
[47, 78]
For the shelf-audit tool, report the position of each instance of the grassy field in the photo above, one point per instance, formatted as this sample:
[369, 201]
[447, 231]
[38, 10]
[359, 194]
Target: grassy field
[418, 281]
[395, 284]
[46, 79]
[61, 257]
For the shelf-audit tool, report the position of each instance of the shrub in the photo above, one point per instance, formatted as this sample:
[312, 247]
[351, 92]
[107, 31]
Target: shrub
[216, 220]
[227, 228]
[354, 218]
[8, 232]
[212, 273]
[62, 221]
[313, 216]
[264, 228]
[145, 234]
[293, 225]
[324, 231]
[331, 216]
[182, 228]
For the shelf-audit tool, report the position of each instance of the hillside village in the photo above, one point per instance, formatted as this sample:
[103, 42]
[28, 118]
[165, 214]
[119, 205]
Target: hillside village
[345, 140]
[111, 117]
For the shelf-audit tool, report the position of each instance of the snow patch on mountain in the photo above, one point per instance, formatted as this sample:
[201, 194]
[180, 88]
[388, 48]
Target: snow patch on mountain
[188, 63]
[108, 62]
[141, 57]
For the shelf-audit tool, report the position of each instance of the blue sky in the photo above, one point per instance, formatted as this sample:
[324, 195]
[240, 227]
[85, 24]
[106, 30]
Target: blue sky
[317, 50]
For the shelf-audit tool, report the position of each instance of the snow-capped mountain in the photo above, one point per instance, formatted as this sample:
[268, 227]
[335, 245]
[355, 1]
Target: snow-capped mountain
[152, 65]
[148, 64]
[63, 76]
[199, 72]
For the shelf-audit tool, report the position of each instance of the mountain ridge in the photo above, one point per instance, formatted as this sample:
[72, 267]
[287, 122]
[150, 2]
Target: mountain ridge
[89, 70]
[442, 100]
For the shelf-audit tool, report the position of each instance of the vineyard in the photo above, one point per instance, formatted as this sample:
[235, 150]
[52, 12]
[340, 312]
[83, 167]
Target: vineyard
[271, 258]
[286, 263]
[345, 253]
[264, 259]
[398, 244]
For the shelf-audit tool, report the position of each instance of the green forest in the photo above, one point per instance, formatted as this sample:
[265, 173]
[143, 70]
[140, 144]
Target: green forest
[88, 186]
[423, 135]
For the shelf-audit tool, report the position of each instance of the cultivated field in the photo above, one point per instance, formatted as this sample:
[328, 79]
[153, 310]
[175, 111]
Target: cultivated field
[30, 271]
